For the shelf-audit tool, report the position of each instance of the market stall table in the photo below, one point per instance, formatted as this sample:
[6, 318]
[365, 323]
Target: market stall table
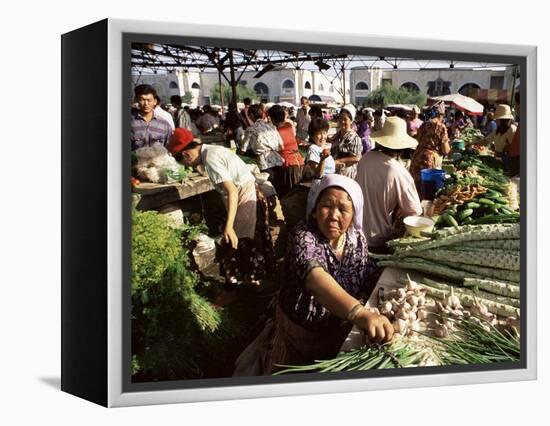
[214, 138]
[154, 195]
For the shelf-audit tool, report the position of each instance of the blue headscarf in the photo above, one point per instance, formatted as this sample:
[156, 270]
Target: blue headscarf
[347, 184]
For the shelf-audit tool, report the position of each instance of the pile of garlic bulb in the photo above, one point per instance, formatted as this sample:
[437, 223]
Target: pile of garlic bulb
[405, 307]
[451, 309]
[513, 193]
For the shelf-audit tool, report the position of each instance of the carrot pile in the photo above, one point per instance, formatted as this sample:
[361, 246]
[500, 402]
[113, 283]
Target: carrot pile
[457, 195]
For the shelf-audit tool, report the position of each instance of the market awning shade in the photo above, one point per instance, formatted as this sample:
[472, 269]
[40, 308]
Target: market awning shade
[490, 95]
[321, 98]
[461, 102]
[400, 106]
[287, 104]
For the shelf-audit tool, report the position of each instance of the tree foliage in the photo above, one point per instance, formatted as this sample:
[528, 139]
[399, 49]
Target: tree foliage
[242, 92]
[388, 94]
[187, 98]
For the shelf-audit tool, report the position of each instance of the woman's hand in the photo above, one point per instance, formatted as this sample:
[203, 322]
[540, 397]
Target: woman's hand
[377, 327]
[231, 237]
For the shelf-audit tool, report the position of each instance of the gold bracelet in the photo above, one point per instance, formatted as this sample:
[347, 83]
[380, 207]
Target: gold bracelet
[354, 312]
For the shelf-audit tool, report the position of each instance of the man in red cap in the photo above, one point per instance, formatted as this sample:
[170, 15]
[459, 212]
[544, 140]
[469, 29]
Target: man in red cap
[234, 181]
[180, 140]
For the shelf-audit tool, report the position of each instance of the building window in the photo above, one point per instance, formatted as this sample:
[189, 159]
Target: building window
[439, 87]
[195, 86]
[497, 82]
[467, 89]
[411, 87]
[361, 86]
[288, 84]
[173, 85]
[331, 89]
[307, 85]
[321, 88]
[261, 89]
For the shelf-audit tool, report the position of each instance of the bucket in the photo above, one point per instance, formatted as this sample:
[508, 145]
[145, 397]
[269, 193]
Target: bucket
[458, 144]
[205, 251]
[432, 180]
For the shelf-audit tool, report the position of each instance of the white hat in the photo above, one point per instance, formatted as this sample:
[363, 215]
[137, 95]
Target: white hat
[394, 135]
[503, 112]
[351, 109]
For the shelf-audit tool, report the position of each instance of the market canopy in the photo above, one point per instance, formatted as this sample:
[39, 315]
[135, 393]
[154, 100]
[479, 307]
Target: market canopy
[322, 99]
[154, 57]
[461, 102]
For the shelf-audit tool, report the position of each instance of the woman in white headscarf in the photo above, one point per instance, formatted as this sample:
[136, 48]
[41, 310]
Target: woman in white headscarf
[327, 273]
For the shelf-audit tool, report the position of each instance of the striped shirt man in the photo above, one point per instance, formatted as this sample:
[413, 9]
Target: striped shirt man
[146, 133]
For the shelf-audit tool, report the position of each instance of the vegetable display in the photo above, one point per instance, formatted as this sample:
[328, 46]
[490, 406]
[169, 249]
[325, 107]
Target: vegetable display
[478, 192]
[166, 304]
[471, 134]
[477, 257]
[397, 354]
[477, 341]
[178, 174]
[446, 335]
[498, 305]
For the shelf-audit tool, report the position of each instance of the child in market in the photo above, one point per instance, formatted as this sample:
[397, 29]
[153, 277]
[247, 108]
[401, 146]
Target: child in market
[318, 158]
[319, 162]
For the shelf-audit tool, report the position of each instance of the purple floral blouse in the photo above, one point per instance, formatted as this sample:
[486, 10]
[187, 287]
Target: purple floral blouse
[308, 249]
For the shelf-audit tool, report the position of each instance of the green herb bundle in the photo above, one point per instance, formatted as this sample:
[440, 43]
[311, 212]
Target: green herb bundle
[476, 341]
[397, 354]
[172, 325]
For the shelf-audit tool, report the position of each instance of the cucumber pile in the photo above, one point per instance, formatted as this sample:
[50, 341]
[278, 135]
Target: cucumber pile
[489, 207]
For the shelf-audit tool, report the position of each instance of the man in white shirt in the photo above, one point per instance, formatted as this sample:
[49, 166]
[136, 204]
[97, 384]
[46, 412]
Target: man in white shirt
[165, 115]
[389, 191]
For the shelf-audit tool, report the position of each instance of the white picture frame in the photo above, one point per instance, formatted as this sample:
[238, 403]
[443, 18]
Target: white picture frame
[116, 391]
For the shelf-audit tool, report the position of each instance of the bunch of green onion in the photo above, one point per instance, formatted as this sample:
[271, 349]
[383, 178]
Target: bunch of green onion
[396, 354]
[478, 342]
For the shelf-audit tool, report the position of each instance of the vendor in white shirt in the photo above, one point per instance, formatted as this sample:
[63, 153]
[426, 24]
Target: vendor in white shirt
[248, 249]
[165, 115]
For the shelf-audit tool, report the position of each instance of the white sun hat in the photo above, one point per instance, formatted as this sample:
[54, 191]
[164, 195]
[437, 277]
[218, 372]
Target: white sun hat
[503, 112]
[394, 135]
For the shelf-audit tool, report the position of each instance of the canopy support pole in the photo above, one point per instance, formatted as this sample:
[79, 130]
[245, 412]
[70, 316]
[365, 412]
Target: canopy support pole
[221, 90]
[232, 73]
